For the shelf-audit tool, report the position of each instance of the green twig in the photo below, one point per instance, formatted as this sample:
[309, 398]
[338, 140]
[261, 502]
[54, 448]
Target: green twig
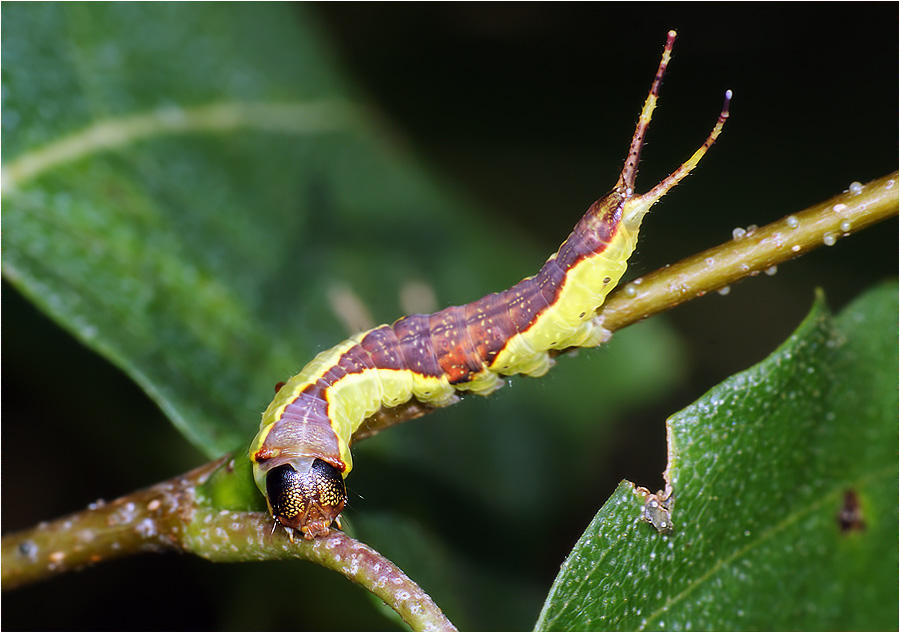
[247, 536]
[177, 515]
[752, 252]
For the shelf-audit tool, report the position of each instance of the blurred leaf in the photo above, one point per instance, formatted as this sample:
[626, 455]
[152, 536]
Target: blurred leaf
[762, 468]
[188, 215]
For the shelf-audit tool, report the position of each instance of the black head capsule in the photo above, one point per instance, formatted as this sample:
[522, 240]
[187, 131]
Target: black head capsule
[308, 501]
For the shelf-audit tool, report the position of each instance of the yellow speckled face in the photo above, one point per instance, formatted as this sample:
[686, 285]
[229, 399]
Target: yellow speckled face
[307, 501]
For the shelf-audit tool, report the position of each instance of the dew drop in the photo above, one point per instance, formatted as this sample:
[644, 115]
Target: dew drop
[795, 248]
[829, 239]
[630, 291]
[845, 226]
[889, 185]
[745, 267]
[752, 228]
[839, 208]
[771, 270]
[29, 550]
[856, 188]
[738, 233]
[792, 221]
[724, 290]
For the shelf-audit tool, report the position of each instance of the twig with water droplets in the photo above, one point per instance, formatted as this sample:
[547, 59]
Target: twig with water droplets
[752, 251]
[177, 515]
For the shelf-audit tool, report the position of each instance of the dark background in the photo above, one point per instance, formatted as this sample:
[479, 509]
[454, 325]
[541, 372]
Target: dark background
[529, 108]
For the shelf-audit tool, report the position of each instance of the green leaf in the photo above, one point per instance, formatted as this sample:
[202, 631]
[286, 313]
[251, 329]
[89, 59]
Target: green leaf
[761, 468]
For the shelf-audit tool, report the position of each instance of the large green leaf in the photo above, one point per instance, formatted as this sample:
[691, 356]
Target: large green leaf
[762, 468]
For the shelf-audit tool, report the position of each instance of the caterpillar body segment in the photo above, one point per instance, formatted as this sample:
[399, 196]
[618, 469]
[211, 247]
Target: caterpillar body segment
[301, 454]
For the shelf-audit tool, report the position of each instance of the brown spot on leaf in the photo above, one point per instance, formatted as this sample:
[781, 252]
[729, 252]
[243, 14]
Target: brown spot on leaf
[850, 518]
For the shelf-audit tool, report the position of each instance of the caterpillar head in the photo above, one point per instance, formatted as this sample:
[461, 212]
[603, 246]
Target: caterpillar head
[306, 495]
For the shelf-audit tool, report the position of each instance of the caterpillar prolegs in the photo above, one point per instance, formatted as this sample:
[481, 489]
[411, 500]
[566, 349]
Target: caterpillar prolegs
[301, 454]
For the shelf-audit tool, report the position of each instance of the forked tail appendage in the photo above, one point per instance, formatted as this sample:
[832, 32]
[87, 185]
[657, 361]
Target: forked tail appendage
[636, 206]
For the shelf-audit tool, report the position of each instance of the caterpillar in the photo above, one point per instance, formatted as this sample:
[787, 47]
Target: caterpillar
[301, 455]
